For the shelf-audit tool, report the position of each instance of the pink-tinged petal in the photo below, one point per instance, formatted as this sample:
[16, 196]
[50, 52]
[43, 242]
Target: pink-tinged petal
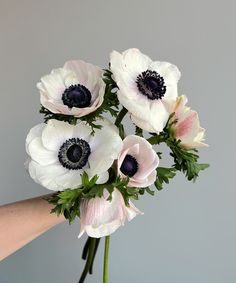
[78, 67]
[145, 182]
[146, 167]
[187, 129]
[87, 74]
[180, 105]
[146, 158]
[56, 82]
[197, 142]
[100, 217]
[53, 106]
[132, 211]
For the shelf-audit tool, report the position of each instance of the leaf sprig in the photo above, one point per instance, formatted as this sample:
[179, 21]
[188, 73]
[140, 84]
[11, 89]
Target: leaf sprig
[68, 201]
[185, 160]
[163, 176]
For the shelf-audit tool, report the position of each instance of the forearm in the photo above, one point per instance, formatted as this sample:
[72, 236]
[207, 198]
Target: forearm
[23, 221]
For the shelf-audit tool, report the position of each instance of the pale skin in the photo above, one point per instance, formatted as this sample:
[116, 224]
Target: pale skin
[23, 221]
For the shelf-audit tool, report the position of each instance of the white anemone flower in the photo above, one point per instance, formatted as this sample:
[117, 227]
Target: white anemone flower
[60, 153]
[76, 89]
[100, 217]
[187, 128]
[138, 161]
[146, 88]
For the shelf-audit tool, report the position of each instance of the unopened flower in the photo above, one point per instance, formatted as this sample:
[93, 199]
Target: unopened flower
[101, 217]
[60, 153]
[186, 126]
[76, 89]
[138, 161]
[146, 88]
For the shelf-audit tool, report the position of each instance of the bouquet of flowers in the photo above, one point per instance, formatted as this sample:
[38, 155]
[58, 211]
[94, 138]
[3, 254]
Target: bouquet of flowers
[94, 167]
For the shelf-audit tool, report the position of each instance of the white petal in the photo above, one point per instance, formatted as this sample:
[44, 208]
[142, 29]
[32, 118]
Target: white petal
[56, 133]
[70, 180]
[131, 60]
[143, 124]
[158, 115]
[136, 103]
[101, 231]
[103, 178]
[82, 131]
[46, 175]
[40, 154]
[105, 145]
[168, 71]
[36, 131]
[54, 84]
[170, 96]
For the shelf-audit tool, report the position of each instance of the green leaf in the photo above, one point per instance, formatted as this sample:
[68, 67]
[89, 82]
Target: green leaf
[151, 192]
[185, 160]
[163, 176]
[138, 131]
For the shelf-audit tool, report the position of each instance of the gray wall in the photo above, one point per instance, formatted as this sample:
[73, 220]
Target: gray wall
[188, 232]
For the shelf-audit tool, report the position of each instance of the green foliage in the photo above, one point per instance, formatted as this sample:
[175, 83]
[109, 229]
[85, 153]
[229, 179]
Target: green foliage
[138, 131]
[110, 104]
[65, 118]
[68, 201]
[163, 176]
[185, 160]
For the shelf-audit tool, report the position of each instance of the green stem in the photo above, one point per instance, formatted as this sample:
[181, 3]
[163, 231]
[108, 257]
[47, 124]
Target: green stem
[120, 116]
[105, 269]
[156, 139]
[92, 244]
[95, 251]
[85, 250]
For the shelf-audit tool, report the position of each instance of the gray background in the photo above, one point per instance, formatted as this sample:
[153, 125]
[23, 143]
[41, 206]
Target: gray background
[188, 231]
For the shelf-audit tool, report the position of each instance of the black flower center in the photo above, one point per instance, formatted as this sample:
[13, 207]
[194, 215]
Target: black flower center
[129, 166]
[74, 153]
[76, 96]
[151, 84]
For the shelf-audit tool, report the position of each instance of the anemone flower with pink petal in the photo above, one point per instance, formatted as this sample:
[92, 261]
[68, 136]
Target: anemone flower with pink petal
[100, 217]
[138, 161]
[187, 127]
[77, 89]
